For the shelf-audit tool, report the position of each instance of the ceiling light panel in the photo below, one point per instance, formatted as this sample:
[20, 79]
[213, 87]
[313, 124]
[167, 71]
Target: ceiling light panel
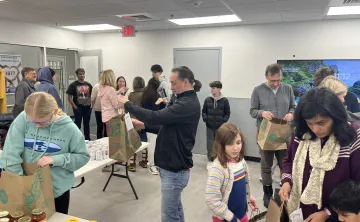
[345, 10]
[206, 20]
[97, 27]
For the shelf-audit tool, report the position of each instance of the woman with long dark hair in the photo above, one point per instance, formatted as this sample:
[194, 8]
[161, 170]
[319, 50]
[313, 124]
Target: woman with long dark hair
[324, 152]
[136, 97]
[151, 100]
[121, 86]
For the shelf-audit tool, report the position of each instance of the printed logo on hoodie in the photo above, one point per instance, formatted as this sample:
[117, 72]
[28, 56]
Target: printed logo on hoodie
[41, 146]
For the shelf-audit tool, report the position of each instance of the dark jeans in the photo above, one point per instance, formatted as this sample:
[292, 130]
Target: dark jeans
[62, 203]
[267, 158]
[100, 126]
[210, 137]
[83, 114]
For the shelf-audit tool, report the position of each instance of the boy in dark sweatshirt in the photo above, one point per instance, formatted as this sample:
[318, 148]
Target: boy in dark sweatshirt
[215, 112]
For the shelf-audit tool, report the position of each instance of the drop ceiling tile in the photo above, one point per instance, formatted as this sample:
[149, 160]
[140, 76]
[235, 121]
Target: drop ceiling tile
[211, 11]
[263, 21]
[266, 7]
[194, 4]
[153, 6]
[302, 4]
[303, 14]
[112, 20]
[176, 14]
[241, 2]
[98, 11]
[63, 4]
[155, 24]
[261, 17]
[303, 19]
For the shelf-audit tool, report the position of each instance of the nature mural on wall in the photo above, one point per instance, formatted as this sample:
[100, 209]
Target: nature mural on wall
[300, 73]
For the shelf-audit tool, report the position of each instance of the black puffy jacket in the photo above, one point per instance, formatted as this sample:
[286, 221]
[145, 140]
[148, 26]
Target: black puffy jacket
[214, 115]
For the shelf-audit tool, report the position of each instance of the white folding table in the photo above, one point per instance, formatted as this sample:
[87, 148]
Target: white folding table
[58, 217]
[144, 145]
[94, 165]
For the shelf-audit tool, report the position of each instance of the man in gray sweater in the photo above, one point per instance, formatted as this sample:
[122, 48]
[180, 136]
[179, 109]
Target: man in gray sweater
[272, 99]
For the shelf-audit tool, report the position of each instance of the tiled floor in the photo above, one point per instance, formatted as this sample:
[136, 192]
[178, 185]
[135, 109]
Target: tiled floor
[118, 203]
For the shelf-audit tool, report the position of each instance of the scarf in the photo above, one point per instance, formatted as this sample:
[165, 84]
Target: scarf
[321, 160]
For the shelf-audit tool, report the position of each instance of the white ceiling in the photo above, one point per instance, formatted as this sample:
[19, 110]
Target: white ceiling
[85, 12]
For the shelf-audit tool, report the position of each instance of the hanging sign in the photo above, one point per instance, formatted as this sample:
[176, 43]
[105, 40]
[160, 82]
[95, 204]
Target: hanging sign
[12, 68]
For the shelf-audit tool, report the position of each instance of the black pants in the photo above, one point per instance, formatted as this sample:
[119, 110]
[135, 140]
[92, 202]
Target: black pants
[210, 139]
[101, 128]
[83, 114]
[62, 203]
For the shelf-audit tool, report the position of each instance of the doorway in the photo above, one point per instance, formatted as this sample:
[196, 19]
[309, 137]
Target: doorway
[206, 66]
[58, 64]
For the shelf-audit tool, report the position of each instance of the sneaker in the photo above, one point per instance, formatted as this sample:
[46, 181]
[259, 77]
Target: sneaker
[132, 167]
[108, 168]
[153, 170]
[260, 179]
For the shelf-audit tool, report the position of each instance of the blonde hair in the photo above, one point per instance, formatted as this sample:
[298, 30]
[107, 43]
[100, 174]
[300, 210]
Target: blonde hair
[335, 85]
[41, 105]
[108, 78]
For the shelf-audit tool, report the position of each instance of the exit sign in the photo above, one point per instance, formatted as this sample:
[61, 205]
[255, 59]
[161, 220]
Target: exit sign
[128, 31]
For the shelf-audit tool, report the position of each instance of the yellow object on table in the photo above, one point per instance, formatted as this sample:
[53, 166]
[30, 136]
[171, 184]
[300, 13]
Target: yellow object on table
[3, 107]
[72, 220]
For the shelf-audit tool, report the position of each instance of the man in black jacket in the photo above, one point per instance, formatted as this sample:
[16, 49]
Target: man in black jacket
[24, 89]
[176, 126]
[215, 112]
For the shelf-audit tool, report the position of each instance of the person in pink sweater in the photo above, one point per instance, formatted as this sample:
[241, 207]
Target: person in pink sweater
[108, 97]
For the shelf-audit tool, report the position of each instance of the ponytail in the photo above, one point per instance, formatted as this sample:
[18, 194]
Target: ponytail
[197, 85]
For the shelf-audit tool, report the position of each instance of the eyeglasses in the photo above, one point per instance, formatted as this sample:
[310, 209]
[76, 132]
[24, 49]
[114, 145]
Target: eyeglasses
[44, 123]
[275, 81]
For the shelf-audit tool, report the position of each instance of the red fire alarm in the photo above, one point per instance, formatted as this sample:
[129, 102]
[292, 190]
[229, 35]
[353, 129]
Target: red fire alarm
[128, 31]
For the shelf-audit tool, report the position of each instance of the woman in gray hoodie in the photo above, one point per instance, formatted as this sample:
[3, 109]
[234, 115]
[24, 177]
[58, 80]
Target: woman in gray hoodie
[46, 77]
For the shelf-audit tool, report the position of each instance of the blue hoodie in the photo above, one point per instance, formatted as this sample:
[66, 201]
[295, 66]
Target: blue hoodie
[62, 140]
[47, 85]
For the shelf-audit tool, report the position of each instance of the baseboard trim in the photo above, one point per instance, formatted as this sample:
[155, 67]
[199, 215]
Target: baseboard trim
[253, 159]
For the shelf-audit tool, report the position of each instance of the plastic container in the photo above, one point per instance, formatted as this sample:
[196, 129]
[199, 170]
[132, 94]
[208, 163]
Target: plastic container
[99, 155]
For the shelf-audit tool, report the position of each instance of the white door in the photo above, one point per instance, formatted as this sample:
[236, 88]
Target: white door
[206, 65]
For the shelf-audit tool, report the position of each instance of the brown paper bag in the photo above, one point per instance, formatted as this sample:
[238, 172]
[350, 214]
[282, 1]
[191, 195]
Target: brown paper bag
[273, 134]
[26, 193]
[276, 213]
[123, 144]
[258, 217]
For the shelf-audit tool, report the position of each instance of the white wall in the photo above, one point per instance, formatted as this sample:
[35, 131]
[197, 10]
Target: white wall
[37, 35]
[246, 50]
